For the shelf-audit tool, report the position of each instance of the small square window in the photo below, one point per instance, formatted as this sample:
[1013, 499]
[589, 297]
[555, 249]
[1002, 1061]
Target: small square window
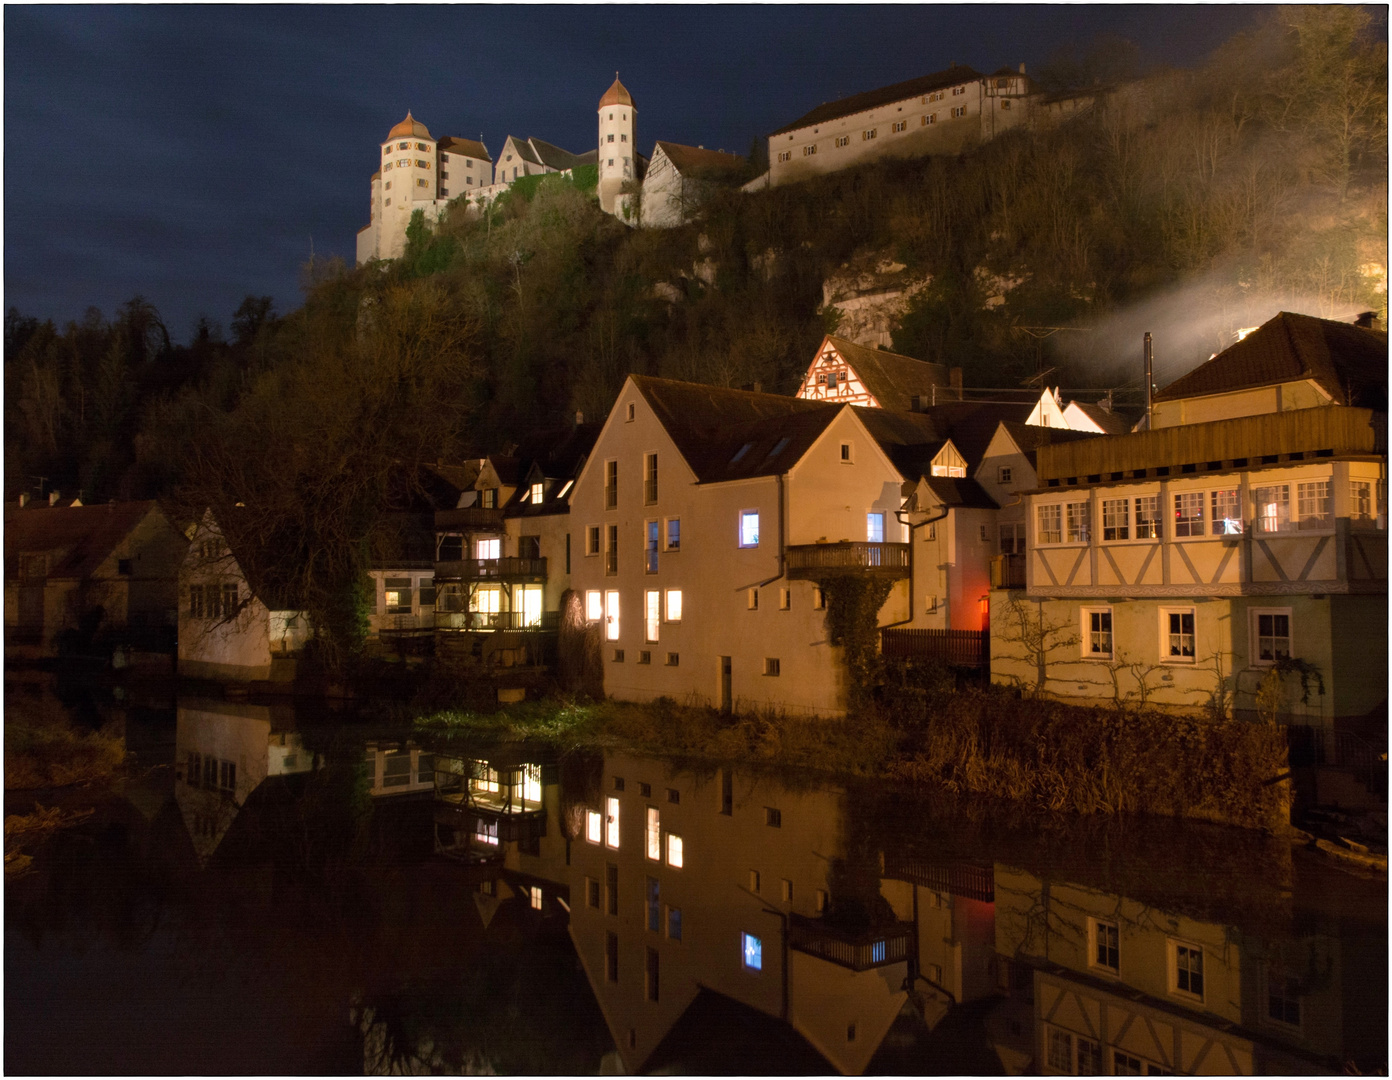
[772, 665]
[673, 796]
[618, 656]
[673, 659]
[618, 783]
[645, 790]
[773, 817]
[644, 656]
[123, 567]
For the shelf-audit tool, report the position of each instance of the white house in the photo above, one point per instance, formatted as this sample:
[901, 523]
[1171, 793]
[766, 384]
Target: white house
[679, 178]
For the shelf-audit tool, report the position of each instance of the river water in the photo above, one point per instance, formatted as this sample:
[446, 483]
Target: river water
[283, 892]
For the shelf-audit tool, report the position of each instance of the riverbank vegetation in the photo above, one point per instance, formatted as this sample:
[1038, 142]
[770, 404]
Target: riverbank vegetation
[972, 740]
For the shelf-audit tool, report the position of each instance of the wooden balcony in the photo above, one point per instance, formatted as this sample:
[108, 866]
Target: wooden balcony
[859, 951]
[495, 620]
[511, 570]
[469, 519]
[1008, 571]
[814, 561]
[956, 648]
[960, 879]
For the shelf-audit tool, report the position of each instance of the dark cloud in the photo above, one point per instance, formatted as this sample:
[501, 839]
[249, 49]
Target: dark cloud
[191, 153]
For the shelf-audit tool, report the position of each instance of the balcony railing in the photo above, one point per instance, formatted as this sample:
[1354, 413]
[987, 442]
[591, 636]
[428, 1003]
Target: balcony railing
[956, 648]
[1008, 571]
[861, 951]
[469, 517]
[496, 620]
[510, 569]
[818, 560]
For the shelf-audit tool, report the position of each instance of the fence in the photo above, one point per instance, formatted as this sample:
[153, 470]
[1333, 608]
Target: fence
[859, 952]
[1308, 746]
[957, 648]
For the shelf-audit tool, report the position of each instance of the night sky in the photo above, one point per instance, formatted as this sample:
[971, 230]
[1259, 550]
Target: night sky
[192, 154]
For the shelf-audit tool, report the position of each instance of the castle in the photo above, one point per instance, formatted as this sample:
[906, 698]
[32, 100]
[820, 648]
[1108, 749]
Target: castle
[420, 172]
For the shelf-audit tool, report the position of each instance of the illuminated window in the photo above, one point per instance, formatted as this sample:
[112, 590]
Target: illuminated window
[593, 824]
[674, 850]
[488, 549]
[538, 494]
[1361, 500]
[1049, 528]
[611, 615]
[594, 605]
[674, 605]
[874, 527]
[1188, 513]
[611, 822]
[1226, 516]
[652, 614]
[752, 952]
[1272, 508]
[1116, 521]
[1313, 504]
[749, 528]
[534, 894]
[486, 832]
[1148, 517]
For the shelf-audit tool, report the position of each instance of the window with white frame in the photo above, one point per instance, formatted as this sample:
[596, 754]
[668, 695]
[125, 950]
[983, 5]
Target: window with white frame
[594, 605]
[1104, 941]
[1283, 994]
[1079, 522]
[1012, 538]
[783, 155]
[1097, 633]
[1361, 500]
[611, 615]
[844, 140]
[1187, 969]
[653, 835]
[1312, 505]
[538, 493]
[594, 826]
[1225, 516]
[1004, 474]
[1188, 513]
[1271, 635]
[1116, 519]
[1177, 628]
[592, 540]
[1060, 1050]
[1049, 524]
[898, 125]
[874, 527]
[1272, 508]
[488, 549]
[673, 535]
[809, 149]
[749, 529]
[674, 851]
[1148, 517]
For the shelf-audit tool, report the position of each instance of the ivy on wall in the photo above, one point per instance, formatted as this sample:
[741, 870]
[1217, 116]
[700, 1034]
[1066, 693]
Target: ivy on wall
[853, 607]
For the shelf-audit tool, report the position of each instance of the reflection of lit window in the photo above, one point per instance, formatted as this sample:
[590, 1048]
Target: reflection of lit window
[1226, 513]
[1272, 507]
[654, 835]
[752, 952]
[674, 850]
[531, 783]
[592, 827]
[486, 832]
[611, 832]
[1312, 504]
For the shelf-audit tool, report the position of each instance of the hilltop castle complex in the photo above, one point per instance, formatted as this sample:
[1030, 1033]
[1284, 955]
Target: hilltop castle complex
[947, 112]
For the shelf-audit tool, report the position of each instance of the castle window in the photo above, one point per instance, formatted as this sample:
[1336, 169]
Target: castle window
[422, 146]
[611, 163]
[420, 183]
[387, 186]
[931, 118]
[422, 164]
[958, 90]
[387, 166]
[388, 201]
[609, 139]
[808, 151]
[900, 126]
[403, 146]
[844, 140]
[1005, 104]
[623, 138]
[960, 110]
[784, 155]
[469, 180]
[866, 136]
[444, 175]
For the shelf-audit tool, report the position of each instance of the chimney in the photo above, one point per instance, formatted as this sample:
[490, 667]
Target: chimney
[1149, 385]
[579, 418]
[24, 498]
[917, 403]
[954, 380]
[53, 498]
[1022, 67]
[1367, 320]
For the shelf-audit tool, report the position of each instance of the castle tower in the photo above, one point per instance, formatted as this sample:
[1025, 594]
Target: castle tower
[409, 181]
[618, 148]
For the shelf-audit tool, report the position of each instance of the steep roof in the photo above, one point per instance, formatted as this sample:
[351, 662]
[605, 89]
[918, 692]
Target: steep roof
[958, 492]
[895, 380]
[410, 128]
[552, 457]
[552, 156]
[886, 95]
[617, 94]
[1110, 421]
[77, 538]
[691, 159]
[524, 150]
[734, 434]
[719, 1036]
[468, 147]
[1348, 362]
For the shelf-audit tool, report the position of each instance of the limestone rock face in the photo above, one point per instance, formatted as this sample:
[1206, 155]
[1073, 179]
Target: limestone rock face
[871, 294]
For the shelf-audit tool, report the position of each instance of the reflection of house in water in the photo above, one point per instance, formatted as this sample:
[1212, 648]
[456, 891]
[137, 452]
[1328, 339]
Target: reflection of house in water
[223, 751]
[686, 887]
[395, 768]
[1120, 986]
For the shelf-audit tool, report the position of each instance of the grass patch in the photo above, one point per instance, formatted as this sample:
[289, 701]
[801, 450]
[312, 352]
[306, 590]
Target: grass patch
[44, 749]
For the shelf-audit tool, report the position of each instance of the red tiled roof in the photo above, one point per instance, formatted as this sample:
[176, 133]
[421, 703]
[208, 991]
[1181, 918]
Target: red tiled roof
[893, 379]
[886, 95]
[689, 159]
[468, 147]
[1345, 361]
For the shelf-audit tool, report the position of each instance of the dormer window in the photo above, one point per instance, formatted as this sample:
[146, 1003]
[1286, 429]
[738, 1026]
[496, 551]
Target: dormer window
[490, 498]
[949, 463]
[538, 493]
